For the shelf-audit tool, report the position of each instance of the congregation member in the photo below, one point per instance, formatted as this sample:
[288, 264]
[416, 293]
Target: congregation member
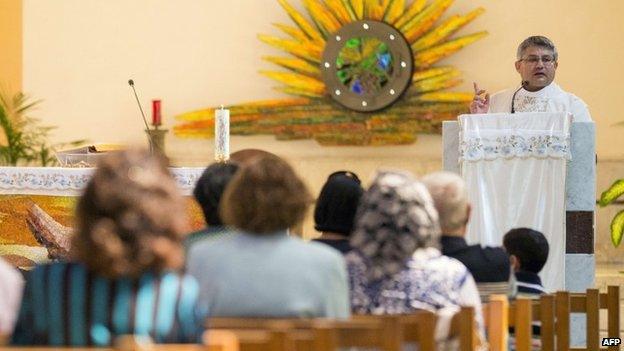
[11, 284]
[528, 251]
[488, 265]
[536, 63]
[335, 209]
[262, 271]
[126, 253]
[208, 192]
[395, 266]
[245, 156]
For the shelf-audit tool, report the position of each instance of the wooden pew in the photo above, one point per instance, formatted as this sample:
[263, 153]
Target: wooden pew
[553, 312]
[499, 315]
[321, 334]
[590, 304]
[214, 341]
[384, 332]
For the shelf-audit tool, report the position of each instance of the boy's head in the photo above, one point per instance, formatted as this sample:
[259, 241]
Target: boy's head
[527, 248]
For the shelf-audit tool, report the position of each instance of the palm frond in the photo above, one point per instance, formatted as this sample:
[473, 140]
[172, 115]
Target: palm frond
[374, 9]
[325, 21]
[432, 55]
[414, 9]
[446, 96]
[298, 92]
[300, 21]
[297, 65]
[298, 81]
[358, 8]
[394, 10]
[347, 5]
[435, 83]
[339, 10]
[421, 23]
[446, 29]
[307, 51]
[432, 72]
[293, 32]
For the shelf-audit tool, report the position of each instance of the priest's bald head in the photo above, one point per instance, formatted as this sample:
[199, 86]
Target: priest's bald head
[536, 62]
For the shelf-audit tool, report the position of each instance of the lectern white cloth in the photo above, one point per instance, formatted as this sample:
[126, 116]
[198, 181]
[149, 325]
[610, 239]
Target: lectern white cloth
[514, 166]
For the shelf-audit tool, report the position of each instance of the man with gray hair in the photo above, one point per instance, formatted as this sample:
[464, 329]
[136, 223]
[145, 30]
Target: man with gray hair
[536, 62]
[487, 264]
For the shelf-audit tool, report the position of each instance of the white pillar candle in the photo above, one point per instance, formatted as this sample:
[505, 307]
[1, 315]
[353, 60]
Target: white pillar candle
[222, 134]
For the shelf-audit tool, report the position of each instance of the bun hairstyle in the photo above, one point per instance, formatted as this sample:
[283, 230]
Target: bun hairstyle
[131, 217]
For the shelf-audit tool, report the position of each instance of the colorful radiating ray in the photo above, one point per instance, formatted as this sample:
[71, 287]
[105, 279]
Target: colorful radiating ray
[416, 20]
[311, 113]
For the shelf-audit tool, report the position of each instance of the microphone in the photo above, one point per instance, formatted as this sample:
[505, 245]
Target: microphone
[152, 144]
[523, 84]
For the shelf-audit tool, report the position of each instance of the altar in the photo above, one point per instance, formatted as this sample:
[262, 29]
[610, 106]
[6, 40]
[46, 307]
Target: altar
[37, 205]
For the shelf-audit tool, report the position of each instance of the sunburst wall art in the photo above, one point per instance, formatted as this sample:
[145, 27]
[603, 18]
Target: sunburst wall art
[358, 72]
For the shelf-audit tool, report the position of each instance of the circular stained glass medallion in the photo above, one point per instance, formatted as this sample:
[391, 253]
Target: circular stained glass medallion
[367, 65]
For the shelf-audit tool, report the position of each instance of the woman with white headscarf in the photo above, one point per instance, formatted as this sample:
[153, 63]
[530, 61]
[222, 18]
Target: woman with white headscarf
[395, 266]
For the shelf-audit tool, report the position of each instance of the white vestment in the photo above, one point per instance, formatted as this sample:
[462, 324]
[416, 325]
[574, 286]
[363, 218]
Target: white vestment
[549, 99]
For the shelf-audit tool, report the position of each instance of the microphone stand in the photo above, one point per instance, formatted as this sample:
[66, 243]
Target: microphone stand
[153, 145]
[513, 97]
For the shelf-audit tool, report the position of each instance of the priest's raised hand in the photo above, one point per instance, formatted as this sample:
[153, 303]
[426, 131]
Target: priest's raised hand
[481, 101]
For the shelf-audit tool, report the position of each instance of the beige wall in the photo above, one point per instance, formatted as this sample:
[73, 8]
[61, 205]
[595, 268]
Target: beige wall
[11, 45]
[195, 53]
[78, 55]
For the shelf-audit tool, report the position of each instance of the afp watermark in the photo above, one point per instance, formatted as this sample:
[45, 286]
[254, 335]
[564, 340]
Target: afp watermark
[611, 341]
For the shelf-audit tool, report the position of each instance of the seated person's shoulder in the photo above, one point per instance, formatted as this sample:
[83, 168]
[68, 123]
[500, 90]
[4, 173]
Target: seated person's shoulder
[324, 252]
[495, 255]
[206, 246]
[445, 265]
[487, 264]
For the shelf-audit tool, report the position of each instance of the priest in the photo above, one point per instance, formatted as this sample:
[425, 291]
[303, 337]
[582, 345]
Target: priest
[537, 62]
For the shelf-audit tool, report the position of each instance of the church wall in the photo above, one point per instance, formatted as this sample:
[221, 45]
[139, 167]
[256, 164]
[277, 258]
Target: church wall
[11, 45]
[79, 54]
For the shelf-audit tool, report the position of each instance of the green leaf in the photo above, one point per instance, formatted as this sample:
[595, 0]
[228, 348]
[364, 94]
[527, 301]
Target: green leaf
[612, 193]
[617, 225]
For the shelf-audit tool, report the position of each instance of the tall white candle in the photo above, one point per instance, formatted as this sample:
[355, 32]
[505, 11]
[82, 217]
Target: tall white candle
[222, 134]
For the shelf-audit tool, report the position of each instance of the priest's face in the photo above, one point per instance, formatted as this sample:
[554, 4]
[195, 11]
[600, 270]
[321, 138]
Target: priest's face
[537, 67]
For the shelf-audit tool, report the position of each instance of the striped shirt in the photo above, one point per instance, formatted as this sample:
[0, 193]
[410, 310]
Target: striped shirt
[64, 304]
[529, 285]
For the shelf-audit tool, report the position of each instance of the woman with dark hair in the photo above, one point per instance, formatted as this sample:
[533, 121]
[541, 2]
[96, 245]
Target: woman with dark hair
[208, 192]
[395, 265]
[335, 209]
[126, 249]
[261, 271]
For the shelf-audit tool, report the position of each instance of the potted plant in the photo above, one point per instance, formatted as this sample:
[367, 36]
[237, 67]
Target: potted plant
[617, 223]
[23, 140]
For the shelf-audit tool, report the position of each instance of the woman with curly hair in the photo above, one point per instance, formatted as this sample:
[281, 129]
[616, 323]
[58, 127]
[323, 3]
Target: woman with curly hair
[123, 277]
[395, 266]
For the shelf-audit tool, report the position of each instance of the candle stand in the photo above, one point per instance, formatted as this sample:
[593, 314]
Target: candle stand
[156, 138]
